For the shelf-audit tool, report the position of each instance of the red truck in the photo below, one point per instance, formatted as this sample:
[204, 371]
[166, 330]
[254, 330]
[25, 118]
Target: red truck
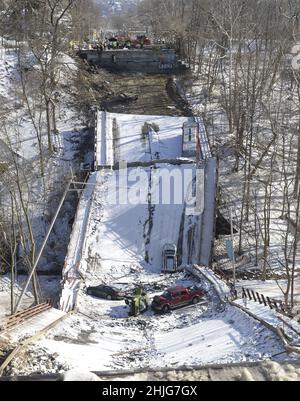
[176, 297]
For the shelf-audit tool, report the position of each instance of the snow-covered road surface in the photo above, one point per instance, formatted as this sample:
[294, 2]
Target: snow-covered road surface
[124, 233]
[227, 337]
[171, 340]
[125, 137]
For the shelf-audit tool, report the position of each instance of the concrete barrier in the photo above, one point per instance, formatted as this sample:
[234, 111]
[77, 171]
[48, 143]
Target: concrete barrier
[138, 60]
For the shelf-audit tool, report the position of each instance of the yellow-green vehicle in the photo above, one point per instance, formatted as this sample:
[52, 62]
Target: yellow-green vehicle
[138, 303]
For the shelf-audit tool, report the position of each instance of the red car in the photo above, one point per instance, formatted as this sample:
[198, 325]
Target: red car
[176, 297]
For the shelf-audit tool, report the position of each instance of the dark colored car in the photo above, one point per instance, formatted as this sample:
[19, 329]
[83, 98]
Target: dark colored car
[106, 292]
[176, 297]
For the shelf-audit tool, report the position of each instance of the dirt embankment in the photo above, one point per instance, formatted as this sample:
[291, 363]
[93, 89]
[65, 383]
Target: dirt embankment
[132, 93]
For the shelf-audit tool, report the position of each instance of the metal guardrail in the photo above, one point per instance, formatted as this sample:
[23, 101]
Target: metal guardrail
[274, 304]
[20, 317]
[255, 296]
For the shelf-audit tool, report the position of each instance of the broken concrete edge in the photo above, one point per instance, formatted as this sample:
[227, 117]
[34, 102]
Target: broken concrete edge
[174, 162]
[277, 330]
[51, 377]
[191, 368]
[69, 290]
[123, 374]
[148, 60]
[217, 283]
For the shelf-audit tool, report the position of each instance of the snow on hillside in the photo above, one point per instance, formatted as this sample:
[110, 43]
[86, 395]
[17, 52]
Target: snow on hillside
[43, 192]
[116, 7]
[270, 288]
[231, 190]
[7, 71]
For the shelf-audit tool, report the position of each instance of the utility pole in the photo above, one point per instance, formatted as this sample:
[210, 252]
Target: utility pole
[233, 256]
[43, 247]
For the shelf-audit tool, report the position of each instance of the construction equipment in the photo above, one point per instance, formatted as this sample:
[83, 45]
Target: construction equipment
[138, 303]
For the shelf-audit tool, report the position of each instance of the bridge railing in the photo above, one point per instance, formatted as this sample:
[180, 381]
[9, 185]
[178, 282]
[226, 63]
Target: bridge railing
[272, 303]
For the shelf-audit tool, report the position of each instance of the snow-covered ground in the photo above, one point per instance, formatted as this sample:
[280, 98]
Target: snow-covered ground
[100, 337]
[50, 286]
[7, 73]
[270, 288]
[5, 296]
[231, 183]
[289, 326]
